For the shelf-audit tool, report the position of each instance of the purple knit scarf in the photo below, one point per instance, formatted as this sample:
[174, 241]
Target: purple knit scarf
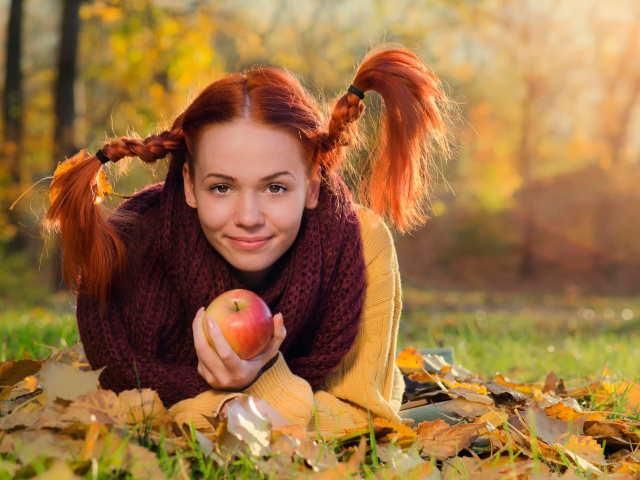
[318, 286]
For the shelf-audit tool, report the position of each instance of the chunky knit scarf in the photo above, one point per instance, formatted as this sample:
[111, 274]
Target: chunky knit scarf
[146, 340]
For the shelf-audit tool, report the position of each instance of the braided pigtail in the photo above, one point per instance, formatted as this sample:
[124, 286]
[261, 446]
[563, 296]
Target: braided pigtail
[342, 130]
[396, 181]
[93, 254]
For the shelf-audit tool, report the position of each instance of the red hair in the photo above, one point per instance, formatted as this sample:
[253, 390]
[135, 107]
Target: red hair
[395, 183]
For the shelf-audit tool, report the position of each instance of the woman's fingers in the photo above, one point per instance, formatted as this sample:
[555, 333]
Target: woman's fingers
[279, 334]
[221, 345]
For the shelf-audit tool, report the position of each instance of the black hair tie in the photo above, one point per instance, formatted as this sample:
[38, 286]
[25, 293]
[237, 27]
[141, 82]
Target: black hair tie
[102, 157]
[356, 91]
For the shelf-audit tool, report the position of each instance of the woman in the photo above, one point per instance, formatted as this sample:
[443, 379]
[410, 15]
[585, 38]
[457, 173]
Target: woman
[253, 199]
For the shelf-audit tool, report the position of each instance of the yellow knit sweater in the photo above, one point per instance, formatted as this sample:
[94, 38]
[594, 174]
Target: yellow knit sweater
[367, 377]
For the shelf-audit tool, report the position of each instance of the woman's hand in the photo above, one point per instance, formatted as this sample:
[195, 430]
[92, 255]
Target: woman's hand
[277, 420]
[222, 368]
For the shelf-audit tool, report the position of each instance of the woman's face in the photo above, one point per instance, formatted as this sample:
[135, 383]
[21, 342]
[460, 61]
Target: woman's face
[250, 187]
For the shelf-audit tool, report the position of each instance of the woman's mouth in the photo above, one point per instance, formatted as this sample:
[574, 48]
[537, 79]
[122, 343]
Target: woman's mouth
[249, 243]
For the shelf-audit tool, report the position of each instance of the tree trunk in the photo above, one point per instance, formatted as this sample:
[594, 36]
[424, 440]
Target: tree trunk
[526, 269]
[13, 116]
[64, 100]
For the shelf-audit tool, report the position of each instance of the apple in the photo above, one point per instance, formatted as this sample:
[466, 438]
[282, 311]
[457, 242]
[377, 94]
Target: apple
[245, 320]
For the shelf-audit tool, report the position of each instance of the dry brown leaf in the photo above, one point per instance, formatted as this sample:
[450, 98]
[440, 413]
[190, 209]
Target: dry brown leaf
[402, 435]
[14, 372]
[66, 382]
[285, 444]
[144, 406]
[399, 459]
[32, 444]
[58, 471]
[442, 441]
[459, 468]
[587, 448]
[359, 455]
[471, 395]
[342, 471]
[293, 431]
[19, 419]
[319, 456]
[550, 383]
[465, 408]
[102, 406]
[549, 430]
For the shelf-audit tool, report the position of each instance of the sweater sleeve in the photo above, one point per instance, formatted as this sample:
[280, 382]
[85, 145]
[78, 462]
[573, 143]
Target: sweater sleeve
[367, 378]
[106, 343]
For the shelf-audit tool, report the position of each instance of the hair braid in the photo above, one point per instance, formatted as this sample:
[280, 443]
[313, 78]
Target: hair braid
[148, 150]
[342, 129]
[94, 257]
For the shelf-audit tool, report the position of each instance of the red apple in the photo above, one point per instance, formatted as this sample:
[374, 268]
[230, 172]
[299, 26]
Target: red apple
[245, 320]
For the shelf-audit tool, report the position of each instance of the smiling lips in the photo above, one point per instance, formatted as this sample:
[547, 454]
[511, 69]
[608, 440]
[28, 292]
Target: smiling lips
[249, 243]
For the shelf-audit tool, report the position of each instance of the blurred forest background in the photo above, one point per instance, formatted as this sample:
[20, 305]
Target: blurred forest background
[542, 195]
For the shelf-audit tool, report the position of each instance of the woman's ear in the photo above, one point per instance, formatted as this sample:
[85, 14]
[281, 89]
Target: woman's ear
[188, 186]
[313, 190]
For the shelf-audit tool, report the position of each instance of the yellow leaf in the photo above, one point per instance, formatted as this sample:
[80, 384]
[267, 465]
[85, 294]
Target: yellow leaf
[409, 360]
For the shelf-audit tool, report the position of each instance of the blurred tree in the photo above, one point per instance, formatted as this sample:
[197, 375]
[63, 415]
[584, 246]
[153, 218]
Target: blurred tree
[617, 42]
[65, 110]
[13, 113]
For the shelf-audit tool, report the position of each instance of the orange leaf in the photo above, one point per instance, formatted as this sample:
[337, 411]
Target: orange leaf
[402, 435]
[585, 447]
[409, 360]
[102, 186]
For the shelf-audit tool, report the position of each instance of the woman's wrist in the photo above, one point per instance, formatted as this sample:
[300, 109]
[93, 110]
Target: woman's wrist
[268, 365]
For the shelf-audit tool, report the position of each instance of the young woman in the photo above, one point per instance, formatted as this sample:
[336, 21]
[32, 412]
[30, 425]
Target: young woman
[253, 199]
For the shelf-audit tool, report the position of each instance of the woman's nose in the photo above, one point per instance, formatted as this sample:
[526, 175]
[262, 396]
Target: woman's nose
[249, 212]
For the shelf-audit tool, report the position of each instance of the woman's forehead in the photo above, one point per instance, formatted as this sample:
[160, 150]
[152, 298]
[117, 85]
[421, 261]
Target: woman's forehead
[245, 149]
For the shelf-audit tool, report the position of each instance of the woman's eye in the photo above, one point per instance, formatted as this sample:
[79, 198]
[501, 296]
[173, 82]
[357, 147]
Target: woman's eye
[220, 188]
[276, 188]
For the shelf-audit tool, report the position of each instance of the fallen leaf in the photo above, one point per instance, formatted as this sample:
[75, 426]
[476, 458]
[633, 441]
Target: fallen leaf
[410, 360]
[66, 382]
[102, 406]
[585, 447]
[398, 458]
[465, 408]
[144, 407]
[442, 441]
[319, 456]
[249, 425]
[527, 390]
[401, 435]
[550, 383]
[549, 430]
[14, 372]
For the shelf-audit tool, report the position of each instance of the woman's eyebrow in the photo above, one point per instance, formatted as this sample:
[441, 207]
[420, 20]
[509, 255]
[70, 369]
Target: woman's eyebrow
[233, 179]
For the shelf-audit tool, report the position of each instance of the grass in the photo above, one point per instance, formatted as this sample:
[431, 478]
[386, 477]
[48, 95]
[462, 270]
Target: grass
[522, 336]
[525, 336]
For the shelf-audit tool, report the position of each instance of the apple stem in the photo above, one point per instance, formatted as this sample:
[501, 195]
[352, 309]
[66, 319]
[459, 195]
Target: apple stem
[235, 302]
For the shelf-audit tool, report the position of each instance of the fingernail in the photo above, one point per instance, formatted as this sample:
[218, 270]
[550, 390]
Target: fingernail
[209, 322]
[200, 311]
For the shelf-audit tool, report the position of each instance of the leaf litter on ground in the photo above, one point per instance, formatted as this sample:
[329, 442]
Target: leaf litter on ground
[54, 417]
